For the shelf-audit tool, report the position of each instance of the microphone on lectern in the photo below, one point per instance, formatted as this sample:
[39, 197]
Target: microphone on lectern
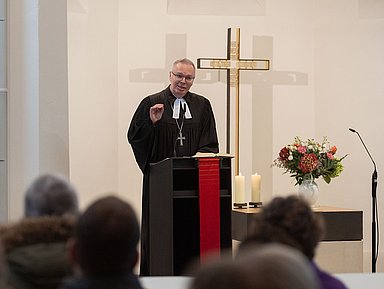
[355, 131]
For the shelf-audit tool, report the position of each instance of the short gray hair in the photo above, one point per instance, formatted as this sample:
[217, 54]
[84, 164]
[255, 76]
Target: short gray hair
[277, 266]
[185, 61]
[50, 195]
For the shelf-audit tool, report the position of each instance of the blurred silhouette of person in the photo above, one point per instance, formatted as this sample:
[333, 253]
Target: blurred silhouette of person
[104, 248]
[50, 195]
[270, 266]
[35, 246]
[291, 221]
[220, 274]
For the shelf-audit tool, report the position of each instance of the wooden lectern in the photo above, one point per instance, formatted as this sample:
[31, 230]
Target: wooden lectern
[190, 205]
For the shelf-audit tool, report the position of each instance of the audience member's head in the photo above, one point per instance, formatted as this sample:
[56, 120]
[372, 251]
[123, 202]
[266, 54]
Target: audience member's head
[220, 274]
[106, 238]
[276, 266]
[50, 195]
[290, 221]
[268, 266]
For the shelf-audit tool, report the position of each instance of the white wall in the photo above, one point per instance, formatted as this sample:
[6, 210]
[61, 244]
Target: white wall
[23, 151]
[325, 77]
[93, 97]
[38, 96]
[349, 93]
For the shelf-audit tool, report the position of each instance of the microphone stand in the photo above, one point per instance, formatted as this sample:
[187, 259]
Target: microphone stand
[374, 227]
[374, 205]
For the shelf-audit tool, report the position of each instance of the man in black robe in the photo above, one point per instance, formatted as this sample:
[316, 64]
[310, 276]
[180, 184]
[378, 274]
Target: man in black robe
[172, 123]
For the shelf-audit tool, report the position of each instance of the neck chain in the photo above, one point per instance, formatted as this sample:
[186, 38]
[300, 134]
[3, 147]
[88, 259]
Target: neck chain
[180, 138]
[180, 127]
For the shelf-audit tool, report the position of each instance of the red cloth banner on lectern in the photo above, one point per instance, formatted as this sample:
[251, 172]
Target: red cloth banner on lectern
[209, 202]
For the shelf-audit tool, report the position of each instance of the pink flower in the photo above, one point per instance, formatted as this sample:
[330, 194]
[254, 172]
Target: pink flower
[308, 163]
[330, 156]
[302, 149]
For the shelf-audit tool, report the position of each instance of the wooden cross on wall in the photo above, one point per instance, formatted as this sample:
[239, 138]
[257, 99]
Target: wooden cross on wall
[233, 63]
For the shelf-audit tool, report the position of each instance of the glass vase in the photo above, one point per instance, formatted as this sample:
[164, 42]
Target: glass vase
[309, 191]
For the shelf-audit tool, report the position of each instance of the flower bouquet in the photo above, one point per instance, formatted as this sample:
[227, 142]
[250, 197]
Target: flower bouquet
[308, 160]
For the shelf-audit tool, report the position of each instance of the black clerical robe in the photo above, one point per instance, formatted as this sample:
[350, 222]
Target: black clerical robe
[153, 143]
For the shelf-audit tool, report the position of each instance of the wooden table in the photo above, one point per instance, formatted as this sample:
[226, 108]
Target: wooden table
[341, 224]
[341, 249]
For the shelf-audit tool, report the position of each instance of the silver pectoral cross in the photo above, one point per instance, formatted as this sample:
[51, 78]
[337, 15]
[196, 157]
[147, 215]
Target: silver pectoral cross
[181, 138]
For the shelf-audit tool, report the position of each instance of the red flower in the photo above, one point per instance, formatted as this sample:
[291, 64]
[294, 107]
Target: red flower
[284, 154]
[330, 156]
[308, 163]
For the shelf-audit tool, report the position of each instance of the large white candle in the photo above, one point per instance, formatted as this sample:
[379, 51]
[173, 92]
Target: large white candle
[239, 189]
[256, 184]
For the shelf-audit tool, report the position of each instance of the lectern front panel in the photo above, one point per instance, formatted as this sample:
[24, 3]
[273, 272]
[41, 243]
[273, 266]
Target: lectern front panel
[174, 222]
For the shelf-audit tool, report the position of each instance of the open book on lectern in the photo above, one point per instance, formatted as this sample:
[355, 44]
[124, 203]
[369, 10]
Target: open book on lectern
[212, 155]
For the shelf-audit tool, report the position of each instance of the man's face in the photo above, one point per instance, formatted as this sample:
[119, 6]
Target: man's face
[181, 78]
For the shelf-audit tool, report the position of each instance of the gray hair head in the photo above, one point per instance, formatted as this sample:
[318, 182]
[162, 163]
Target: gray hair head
[277, 266]
[50, 195]
[269, 266]
[184, 61]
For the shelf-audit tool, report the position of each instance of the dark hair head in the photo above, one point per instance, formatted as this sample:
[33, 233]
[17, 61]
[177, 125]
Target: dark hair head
[221, 274]
[107, 235]
[290, 221]
[50, 195]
